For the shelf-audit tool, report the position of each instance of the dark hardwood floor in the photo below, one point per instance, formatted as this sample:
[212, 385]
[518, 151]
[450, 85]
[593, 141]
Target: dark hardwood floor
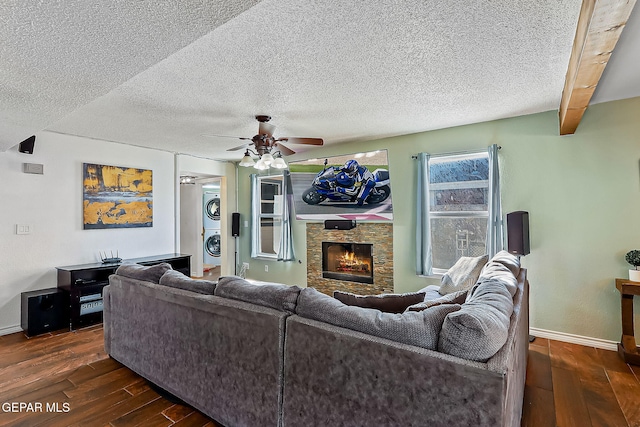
[574, 385]
[77, 384]
[70, 381]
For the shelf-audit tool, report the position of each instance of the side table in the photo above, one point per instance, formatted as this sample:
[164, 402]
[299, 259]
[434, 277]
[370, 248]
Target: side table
[627, 348]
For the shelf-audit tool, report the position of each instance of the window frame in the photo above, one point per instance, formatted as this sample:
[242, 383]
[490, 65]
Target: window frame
[457, 214]
[275, 215]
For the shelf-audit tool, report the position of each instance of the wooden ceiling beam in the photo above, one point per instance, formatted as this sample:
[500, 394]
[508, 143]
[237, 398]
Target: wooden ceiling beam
[599, 27]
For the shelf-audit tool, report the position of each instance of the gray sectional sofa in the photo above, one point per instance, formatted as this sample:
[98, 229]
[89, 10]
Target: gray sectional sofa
[266, 354]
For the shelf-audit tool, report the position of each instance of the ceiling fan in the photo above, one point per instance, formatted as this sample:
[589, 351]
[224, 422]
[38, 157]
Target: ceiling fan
[267, 147]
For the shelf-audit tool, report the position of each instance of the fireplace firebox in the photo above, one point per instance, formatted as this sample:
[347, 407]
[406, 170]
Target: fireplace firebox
[347, 261]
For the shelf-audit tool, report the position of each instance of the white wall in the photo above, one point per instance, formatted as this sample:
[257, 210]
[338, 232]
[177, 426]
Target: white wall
[51, 204]
[191, 225]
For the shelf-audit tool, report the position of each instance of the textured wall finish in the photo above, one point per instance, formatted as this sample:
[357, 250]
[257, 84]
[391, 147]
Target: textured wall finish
[379, 234]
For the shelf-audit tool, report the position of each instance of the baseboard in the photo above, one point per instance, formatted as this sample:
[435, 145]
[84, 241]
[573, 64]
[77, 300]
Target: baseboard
[574, 339]
[10, 330]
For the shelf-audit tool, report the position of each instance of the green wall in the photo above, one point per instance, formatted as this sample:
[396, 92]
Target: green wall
[582, 193]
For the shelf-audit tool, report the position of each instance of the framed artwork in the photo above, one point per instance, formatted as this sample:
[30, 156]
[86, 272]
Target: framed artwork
[116, 197]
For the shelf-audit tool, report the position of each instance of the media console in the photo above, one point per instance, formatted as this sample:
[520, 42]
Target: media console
[83, 285]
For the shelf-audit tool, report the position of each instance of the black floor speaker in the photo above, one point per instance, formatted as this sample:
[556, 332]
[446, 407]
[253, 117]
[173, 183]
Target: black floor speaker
[45, 310]
[518, 232]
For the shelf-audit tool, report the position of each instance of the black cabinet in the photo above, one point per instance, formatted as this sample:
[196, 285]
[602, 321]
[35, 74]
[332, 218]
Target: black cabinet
[83, 285]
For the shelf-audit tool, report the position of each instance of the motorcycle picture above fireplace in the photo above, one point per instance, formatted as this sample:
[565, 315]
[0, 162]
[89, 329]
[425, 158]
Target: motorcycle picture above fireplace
[355, 186]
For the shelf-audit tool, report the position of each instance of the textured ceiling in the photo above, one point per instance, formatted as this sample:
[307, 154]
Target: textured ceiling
[160, 76]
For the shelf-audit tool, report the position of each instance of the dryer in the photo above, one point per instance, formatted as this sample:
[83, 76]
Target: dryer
[211, 214]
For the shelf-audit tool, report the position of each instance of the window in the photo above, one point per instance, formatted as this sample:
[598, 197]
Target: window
[269, 218]
[458, 207]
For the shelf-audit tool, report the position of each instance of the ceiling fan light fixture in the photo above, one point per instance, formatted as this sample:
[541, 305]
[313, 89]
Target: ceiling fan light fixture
[247, 161]
[267, 158]
[279, 163]
[261, 165]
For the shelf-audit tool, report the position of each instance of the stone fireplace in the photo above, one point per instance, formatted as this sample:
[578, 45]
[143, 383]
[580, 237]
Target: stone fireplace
[359, 260]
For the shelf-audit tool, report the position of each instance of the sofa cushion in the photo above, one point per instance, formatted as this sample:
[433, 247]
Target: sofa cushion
[497, 271]
[508, 260]
[176, 279]
[389, 303]
[458, 297]
[480, 328]
[414, 328]
[463, 275]
[275, 295]
[151, 273]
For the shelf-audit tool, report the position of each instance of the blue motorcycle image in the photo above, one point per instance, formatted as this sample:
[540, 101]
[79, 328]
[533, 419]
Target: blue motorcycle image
[334, 183]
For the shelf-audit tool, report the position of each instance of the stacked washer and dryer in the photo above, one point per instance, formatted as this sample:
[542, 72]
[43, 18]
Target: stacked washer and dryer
[211, 224]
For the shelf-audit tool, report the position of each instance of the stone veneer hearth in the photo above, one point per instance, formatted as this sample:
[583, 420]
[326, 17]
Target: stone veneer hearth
[379, 234]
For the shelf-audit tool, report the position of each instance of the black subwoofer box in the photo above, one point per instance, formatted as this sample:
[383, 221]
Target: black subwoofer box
[45, 310]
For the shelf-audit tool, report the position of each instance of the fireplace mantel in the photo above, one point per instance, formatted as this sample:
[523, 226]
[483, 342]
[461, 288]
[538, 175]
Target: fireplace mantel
[378, 234]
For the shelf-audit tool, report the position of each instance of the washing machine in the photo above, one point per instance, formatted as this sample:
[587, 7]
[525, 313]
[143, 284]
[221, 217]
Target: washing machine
[212, 247]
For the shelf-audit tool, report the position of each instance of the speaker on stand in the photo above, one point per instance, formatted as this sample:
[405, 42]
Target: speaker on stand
[518, 237]
[235, 232]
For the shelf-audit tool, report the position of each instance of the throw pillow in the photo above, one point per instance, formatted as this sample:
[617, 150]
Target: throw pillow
[275, 295]
[414, 328]
[389, 303]
[452, 298]
[431, 292]
[463, 275]
[481, 327]
[151, 273]
[175, 279]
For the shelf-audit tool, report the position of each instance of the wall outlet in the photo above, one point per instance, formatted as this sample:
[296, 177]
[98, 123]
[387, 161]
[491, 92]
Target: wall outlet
[266, 268]
[245, 265]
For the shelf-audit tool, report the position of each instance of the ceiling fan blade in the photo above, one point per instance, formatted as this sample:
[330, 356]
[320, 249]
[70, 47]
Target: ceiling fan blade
[266, 129]
[308, 141]
[212, 135]
[239, 147]
[286, 151]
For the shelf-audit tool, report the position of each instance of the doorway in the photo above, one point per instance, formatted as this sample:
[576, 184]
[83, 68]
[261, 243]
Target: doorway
[203, 225]
[212, 234]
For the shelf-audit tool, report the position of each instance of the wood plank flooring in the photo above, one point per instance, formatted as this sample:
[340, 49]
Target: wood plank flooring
[573, 385]
[69, 380]
[77, 384]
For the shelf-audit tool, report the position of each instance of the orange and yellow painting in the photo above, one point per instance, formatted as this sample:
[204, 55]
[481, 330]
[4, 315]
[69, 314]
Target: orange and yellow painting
[117, 197]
